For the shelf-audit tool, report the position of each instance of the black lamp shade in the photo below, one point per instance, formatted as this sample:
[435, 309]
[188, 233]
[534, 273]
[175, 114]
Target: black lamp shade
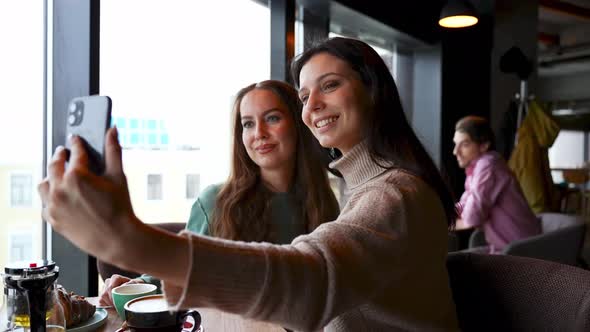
[458, 14]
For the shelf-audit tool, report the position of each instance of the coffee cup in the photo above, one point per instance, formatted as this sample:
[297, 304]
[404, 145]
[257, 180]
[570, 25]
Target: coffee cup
[150, 314]
[128, 292]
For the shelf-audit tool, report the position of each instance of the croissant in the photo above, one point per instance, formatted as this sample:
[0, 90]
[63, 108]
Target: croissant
[76, 309]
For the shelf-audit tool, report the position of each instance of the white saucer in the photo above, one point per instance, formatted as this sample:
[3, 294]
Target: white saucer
[96, 321]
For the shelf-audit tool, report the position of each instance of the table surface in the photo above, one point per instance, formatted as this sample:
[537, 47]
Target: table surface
[212, 320]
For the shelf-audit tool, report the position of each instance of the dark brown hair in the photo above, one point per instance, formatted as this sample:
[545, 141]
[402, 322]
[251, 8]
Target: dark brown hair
[478, 129]
[242, 205]
[390, 138]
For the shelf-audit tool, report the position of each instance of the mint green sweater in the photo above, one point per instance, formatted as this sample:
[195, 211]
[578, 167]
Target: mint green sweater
[285, 216]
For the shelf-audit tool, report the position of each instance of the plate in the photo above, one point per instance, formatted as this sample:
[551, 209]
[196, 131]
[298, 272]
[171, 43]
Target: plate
[96, 321]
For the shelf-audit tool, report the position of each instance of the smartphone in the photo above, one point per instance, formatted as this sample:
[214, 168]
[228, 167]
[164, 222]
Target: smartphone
[89, 117]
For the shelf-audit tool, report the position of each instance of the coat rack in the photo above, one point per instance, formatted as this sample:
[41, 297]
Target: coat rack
[515, 62]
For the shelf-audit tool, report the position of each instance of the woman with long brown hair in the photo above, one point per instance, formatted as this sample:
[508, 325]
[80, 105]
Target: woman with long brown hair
[275, 191]
[277, 187]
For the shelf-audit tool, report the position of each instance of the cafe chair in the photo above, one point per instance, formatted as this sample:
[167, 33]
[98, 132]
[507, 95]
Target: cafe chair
[477, 239]
[510, 293]
[561, 240]
[107, 270]
[452, 242]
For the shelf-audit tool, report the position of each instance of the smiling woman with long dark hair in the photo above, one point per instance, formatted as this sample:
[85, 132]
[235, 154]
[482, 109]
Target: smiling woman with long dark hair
[380, 266]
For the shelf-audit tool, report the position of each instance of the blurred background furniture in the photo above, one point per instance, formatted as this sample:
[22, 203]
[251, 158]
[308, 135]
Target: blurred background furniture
[477, 239]
[107, 270]
[576, 178]
[561, 241]
[453, 242]
[509, 293]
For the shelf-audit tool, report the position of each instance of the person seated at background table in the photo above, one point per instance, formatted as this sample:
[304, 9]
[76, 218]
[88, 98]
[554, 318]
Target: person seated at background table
[277, 188]
[380, 266]
[493, 200]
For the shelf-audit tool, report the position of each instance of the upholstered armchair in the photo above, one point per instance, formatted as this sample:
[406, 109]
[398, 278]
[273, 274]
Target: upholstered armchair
[510, 293]
[561, 240]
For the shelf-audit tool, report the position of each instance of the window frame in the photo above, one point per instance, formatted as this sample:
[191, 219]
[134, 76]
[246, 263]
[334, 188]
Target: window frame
[76, 26]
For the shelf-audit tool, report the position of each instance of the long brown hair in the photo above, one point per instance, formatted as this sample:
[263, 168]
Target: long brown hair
[390, 137]
[242, 205]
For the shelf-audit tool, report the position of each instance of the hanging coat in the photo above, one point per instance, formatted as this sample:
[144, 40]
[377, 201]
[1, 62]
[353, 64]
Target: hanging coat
[530, 161]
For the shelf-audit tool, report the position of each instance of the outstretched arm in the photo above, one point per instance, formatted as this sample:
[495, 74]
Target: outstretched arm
[95, 213]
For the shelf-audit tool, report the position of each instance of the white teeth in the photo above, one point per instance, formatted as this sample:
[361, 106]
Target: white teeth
[325, 122]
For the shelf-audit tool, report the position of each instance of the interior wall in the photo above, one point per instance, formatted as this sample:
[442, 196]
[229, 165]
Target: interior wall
[572, 86]
[516, 24]
[404, 79]
[426, 115]
[466, 61]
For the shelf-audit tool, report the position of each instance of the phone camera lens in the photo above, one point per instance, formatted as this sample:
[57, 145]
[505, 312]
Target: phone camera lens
[75, 113]
[71, 119]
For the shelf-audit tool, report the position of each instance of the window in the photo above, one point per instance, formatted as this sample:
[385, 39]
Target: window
[21, 129]
[154, 189]
[192, 185]
[174, 83]
[21, 190]
[566, 152]
[20, 246]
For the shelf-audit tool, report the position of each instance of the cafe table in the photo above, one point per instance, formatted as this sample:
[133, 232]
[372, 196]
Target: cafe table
[212, 321]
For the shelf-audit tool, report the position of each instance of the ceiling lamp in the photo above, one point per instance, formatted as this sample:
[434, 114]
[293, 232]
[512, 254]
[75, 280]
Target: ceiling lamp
[458, 14]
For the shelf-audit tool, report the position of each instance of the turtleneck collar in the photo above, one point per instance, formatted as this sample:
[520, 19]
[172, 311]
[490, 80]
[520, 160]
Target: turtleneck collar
[356, 166]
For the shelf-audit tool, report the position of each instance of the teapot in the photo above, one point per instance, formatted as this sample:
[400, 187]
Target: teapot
[30, 301]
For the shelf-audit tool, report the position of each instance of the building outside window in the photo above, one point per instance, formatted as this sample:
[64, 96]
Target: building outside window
[173, 85]
[22, 69]
[193, 182]
[20, 247]
[154, 187]
[21, 190]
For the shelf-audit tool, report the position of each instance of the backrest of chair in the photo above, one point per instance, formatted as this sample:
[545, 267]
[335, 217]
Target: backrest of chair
[477, 239]
[551, 221]
[107, 270]
[509, 293]
[562, 245]
[452, 242]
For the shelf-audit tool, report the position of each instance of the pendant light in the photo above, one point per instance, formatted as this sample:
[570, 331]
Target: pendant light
[458, 14]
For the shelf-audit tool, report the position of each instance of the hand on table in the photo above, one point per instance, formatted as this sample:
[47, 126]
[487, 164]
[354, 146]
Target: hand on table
[106, 296]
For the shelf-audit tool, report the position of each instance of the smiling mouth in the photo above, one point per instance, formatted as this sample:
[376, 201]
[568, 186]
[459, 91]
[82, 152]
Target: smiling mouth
[324, 122]
[265, 148]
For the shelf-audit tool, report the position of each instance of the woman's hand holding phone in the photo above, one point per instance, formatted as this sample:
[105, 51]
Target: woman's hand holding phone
[93, 212]
[89, 117]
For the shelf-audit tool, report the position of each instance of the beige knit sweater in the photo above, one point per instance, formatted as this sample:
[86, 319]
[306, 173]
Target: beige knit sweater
[379, 267]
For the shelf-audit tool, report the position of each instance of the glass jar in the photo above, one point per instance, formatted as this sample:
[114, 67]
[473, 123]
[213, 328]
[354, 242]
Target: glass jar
[30, 301]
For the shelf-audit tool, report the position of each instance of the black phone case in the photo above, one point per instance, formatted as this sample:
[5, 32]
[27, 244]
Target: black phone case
[89, 117]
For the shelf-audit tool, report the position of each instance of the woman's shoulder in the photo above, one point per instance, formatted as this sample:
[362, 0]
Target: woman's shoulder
[208, 196]
[399, 184]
